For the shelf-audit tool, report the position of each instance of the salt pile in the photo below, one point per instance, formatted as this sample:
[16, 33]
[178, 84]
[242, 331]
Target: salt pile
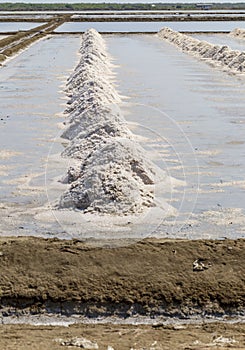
[221, 56]
[238, 33]
[110, 174]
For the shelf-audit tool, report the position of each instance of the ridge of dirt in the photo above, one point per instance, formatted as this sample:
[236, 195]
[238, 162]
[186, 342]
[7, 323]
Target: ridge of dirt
[151, 277]
[15, 43]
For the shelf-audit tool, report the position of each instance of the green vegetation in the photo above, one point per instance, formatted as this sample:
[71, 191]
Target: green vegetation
[111, 6]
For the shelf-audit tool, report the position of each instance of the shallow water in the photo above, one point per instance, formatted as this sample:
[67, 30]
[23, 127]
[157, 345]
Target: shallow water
[16, 26]
[222, 39]
[198, 113]
[190, 115]
[30, 100]
[150, 26]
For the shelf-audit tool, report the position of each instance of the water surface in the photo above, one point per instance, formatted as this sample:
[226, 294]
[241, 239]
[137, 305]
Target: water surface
[223, 39]
[193, 115]
[16, 26]
[211, 26]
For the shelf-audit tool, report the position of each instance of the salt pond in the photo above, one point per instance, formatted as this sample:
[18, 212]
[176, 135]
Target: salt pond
[16, 26]
[193, 26]
[203, 106]
[189, 114]
[30, 100]
[222, 39]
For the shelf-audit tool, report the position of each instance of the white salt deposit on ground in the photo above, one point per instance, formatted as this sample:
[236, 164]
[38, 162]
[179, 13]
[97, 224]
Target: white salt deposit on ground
[111, 174]
[238, 33]
[5, 154]
[219, 55]
[115, 178]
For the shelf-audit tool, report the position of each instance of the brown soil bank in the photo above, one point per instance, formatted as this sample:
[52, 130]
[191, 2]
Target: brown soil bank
[158, 19]
[15, 43]
[189, 337]
[151, 277]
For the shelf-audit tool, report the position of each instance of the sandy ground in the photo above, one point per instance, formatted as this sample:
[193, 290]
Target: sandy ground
[204, 336]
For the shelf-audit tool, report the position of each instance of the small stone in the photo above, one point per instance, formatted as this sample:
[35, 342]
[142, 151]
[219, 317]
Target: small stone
[223, 340]
[199, 265]
[80, 343]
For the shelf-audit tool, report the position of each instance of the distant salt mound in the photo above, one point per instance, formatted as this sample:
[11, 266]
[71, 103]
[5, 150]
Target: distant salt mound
[110, 173]
[221, 56]
[238, 32]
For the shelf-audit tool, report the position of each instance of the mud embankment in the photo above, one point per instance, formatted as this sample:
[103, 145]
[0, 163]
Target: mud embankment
[221, 56]
[150, 278]
[15, 43]
[159, 19]
[26, 19]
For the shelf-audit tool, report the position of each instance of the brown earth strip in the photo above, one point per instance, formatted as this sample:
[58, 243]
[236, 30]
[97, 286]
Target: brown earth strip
[158, 19]
[215, 336]
[24, 19]
[150, 277]
[14, 43]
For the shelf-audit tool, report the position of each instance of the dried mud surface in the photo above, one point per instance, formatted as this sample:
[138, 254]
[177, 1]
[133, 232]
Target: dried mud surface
[190, 337]
[151, 277]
